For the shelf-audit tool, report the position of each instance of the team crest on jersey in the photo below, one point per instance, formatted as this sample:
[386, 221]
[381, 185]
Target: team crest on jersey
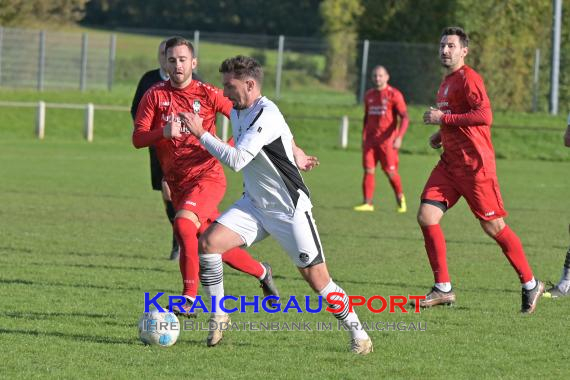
[196, 105]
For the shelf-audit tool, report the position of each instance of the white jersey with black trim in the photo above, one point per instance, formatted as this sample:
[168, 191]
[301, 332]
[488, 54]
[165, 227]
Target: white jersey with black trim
[271, 179]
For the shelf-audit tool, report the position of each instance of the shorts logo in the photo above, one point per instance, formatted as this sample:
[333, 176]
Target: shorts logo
[304, 258]
[196, 105]
[190, 203]
[490, 213]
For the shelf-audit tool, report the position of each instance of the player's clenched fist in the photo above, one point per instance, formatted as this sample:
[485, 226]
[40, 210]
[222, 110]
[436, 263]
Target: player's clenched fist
[172, 129]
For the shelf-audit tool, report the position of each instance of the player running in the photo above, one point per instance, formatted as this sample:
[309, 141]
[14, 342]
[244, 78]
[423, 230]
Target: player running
[195, 178]
[276, 201]
[466, 169]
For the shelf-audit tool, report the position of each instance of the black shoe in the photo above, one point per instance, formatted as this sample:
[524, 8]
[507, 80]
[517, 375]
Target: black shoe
[184, 311]
[267, 284]
[530, 297]
[175, 253]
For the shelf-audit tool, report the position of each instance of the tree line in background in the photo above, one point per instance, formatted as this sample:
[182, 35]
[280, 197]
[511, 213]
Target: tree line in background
[504, 34]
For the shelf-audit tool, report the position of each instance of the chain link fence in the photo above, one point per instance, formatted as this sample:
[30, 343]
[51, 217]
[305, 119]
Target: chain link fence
[46, 59]
[295, 67]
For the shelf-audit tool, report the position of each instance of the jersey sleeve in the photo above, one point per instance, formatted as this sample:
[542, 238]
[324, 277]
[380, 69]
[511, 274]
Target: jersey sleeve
[402, 112]
[143, 134]
[264, 129]
[480, 107]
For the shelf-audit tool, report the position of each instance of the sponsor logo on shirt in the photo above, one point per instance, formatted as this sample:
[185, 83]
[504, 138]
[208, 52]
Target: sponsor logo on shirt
[196, 106]
[164, 104]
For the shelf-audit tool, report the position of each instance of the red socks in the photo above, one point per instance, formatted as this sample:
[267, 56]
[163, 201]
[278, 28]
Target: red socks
[436, 251]
[396, 184]
[186, 230]
[241, 260]
[513, 250]
[368, 184]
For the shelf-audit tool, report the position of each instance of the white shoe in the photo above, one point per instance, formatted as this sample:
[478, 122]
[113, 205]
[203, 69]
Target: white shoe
[217, 324]
[361, 346]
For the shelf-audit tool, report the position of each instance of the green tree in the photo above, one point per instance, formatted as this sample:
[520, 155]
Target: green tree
[26, 12]
[340, 27]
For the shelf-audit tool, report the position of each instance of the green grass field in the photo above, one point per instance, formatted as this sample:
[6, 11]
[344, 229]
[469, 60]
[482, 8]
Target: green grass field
[82, 237]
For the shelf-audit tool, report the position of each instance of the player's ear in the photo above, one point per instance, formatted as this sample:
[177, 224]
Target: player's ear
[194, 63]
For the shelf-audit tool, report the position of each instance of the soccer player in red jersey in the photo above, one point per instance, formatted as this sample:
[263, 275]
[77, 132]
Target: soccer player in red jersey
[196, 179]
[562, 289]
[382, 138]
[466, 169]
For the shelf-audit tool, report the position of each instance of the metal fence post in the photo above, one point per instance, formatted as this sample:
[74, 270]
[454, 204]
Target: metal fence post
[363, 71]
[41, 120]
[196, 43]
[41, 60]
[279, 68]
[83, 70]
[535, 80]
[555, 71]
[88, 129]
[111, 68]
[343, 135]
[1, 41]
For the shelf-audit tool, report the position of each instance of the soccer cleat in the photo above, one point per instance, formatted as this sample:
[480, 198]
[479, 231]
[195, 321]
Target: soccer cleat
[175, 252]
[530, 297]
[402, 207]
[185, 310]
[556, 292]
[364, 207]
[361, 346]
[217, 324]
[436, 297]
[267, 284]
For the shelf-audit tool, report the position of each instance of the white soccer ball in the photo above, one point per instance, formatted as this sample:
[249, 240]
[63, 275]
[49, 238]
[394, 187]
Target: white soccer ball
[159, 329]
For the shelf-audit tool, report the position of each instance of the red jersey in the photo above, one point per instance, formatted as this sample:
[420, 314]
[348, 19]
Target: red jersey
[182, 159]
[466, 123]
[381, 108]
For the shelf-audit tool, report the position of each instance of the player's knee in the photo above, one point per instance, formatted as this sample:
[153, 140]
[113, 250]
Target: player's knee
[369, 170]
[390, 173]
[493, 227]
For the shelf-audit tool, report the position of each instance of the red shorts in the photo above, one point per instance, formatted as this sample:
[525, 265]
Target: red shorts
[201, 197]
[385, 153]
[481, 192]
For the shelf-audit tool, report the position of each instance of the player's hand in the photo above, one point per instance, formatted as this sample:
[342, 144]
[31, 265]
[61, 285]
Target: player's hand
[172, 129]
[397, 143]
[193, 122]
[435, 140]
[433, 116]
[304, 162]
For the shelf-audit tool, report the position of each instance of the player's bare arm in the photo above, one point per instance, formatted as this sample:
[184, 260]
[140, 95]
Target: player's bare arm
[433, 116]
[303, 161]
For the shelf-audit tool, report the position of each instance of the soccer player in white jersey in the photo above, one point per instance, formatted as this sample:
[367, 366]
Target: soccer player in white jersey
[276, 201]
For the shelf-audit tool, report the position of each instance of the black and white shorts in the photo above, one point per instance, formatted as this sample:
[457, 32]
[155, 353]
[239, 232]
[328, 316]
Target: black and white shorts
[297, 234]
